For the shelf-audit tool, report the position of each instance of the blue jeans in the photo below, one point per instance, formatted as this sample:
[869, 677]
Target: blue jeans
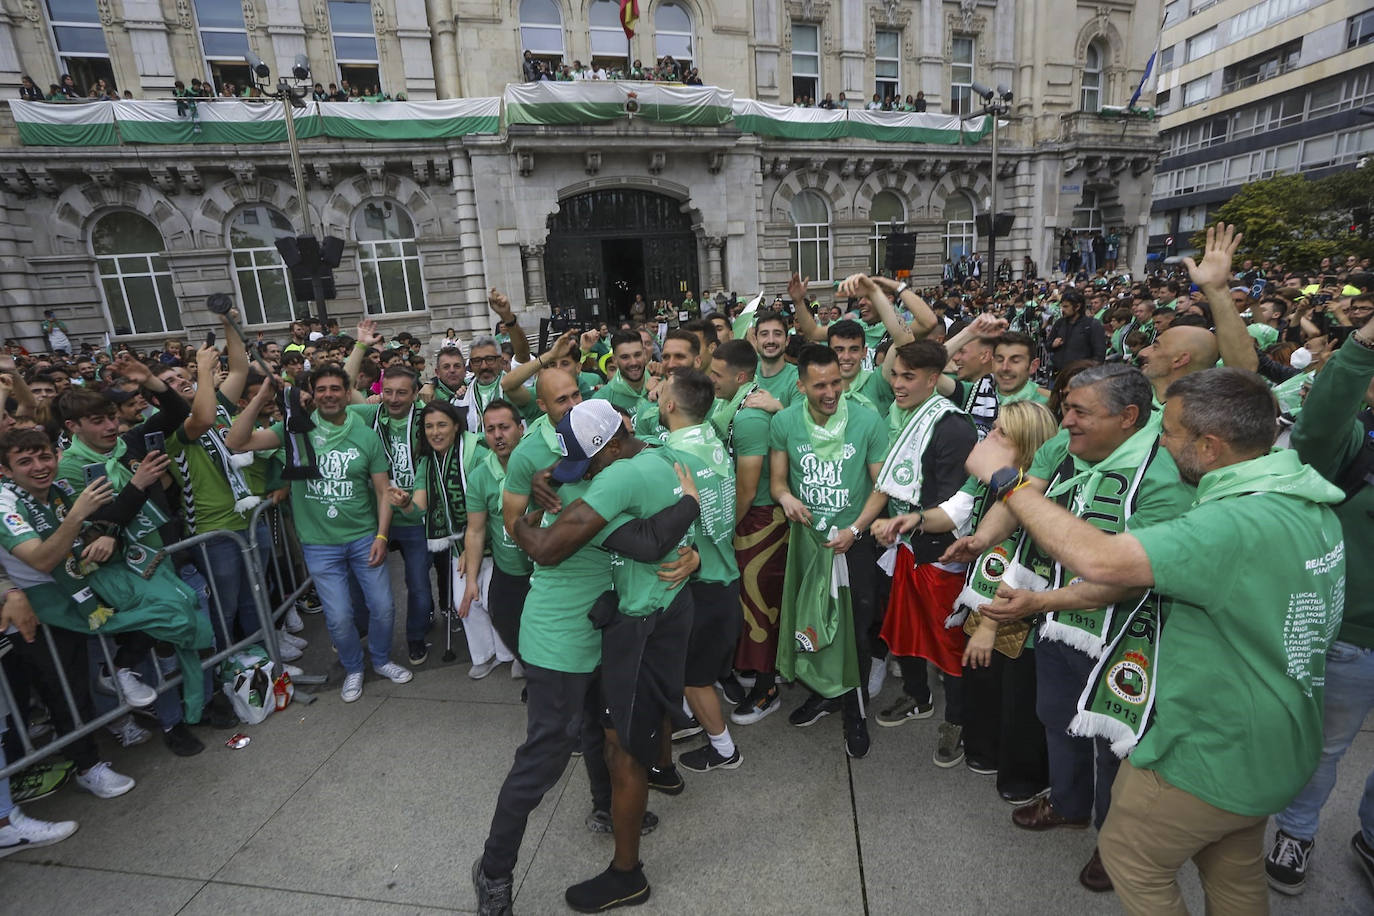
[1349, 697]
[414, 547]
[230, 578]
[331, 565]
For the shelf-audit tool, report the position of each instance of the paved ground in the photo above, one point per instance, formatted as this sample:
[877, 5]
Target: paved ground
[380, 807]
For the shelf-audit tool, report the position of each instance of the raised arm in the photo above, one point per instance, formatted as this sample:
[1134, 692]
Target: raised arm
[1212, 276]
[519, 343]
[203, 405]
[243, 435]
[237, 378]
[368, 336]
[923, 317]
[801, 311]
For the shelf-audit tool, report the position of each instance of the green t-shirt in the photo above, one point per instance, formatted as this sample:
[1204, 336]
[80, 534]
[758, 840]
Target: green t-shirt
[214, 500]
[782, 386]
[649, 427]
[1050, 455]
[340, 505]
[587, 384]
[1252, 590]
[537, 449]
[399, 451]
[555, 632]
[1027, 392]
[624, 397]
[484, 495]
[873, 334]
[1266, 335]
[833, 491]
[749, 437]
[714, 531]
[629, 488]
[878, 392]
[1161, 496]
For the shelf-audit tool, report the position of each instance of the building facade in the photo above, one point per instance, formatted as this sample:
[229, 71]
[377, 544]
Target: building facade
[1249, 89]
[129, 239]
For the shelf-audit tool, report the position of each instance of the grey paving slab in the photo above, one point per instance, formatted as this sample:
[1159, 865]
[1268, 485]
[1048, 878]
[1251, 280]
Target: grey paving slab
[219, 899]
[398, 812]
[44, 889]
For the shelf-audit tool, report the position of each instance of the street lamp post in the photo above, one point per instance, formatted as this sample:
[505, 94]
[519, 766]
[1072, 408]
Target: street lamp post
[996, 104]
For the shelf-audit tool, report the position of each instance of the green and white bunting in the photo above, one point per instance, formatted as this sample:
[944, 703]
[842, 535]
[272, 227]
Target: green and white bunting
[410, 120]
[753, 117]
[70, 124]
[593, 101]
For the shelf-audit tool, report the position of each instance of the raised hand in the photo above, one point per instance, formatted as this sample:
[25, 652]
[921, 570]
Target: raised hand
[1215, 270]
[367, 333]
[151, 469]
[500, 305]
[92, 498]
[796, 287]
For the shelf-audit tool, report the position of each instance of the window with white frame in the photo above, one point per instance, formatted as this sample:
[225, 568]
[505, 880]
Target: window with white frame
[610, 47]
[1200, 45]
[388, 259]
[1087, 216]
[134, 275]
[355, 44]
[806, 61]
[673, 33]
[1196, 91]
[1166, 60]
[223, 42]
[264, 287]
[961, 76]
[1090, 99]
[541, 29]
[887, 64]
[1360, 29]
[1159, 223]
[810, 242]
[80, 41]
[889, 215]
[961, 234]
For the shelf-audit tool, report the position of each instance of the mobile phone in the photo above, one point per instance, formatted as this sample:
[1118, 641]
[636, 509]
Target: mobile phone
[93, 473]
[154, 442]
[209, 338]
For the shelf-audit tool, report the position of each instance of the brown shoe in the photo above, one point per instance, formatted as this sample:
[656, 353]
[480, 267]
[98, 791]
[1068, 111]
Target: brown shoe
[1040, 815]
[1094, 875]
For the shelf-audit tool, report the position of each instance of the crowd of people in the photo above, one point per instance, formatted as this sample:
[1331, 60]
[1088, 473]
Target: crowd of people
[879, 102]
[664, 70]
[1020, 484]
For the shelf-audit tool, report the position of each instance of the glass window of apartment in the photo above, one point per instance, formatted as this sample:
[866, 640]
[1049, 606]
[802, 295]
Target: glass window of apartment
[961, 236]
[223, 42]
[1174, 12]
[610, 49]
[1195, 91]
[264, 288]
[1360, 29]
[355, 44]
[887, 64]
[1318, 152]
[810, 242]
[80, 42]
[1091, 97]
[806, 61]
[1261, 67]
[673, 32]
[1087, 216]
[541, 29]
[1159, 223]
[388, 259]
[1166, 60]
[961, 76]
[1200, 44]
[888, 214]
[133, 275]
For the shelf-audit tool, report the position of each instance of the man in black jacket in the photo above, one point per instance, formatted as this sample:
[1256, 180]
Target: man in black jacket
[1076, 335]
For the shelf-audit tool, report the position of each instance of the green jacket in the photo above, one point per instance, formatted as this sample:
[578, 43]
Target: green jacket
[1328, 436]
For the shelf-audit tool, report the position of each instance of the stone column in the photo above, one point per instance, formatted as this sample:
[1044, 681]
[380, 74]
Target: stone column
[532, 261]
[715, 266]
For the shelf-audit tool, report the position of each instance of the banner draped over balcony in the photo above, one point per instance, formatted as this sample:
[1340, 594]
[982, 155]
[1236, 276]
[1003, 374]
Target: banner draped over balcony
[591, 101]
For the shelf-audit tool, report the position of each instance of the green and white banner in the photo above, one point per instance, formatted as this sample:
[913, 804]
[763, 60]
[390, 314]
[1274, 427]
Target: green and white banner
[793, 123]
[219, 121]
[410, 120]
[753, 117]
[592, 101]
[65, 124]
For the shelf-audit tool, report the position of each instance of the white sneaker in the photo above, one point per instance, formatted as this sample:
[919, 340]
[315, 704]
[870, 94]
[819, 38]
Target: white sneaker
[517, 671]
[893, 667]
[395, 673]
[482, 669]
[877, 674]
[23, 832]
[352, 687]
[285, 638]
[136, 693]
[292, 621]
[128, 733]
[289, 652]
[103, 782]
[292, 670]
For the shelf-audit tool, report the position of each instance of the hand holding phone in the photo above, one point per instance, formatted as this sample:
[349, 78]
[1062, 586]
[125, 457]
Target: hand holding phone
[154, 442]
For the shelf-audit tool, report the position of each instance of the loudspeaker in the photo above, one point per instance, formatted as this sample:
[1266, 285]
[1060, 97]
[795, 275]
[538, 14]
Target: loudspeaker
[901, 251]
[1004, 221]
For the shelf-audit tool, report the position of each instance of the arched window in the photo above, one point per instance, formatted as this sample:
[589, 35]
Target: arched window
[673, 32]
[610, 48]
[388, 258]
[541, 28]
[1091, 96]
[134, 275]
[961, 237]
[888, 214]
[810, 243]
[264, 288]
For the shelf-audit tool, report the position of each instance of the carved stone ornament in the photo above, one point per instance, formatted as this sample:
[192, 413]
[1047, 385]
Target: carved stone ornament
[592, 161]
[419, 167]
[321, 17]
[324, 173]
[658, 161]
[162, 177]
[967, 9]
[524, 161]
[715, 161]
[250, 15]
[184, 14]
[30, 8]
[104, 11]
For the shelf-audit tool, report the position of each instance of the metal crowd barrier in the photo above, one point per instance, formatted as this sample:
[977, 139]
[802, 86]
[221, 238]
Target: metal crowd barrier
[285, 576]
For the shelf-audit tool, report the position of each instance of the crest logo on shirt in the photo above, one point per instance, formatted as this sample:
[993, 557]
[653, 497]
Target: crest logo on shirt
[806, 640]
[1128, 680]
[995, 564]
[904, 474]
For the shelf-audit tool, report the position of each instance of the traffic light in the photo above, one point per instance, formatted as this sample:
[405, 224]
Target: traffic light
[312, 264]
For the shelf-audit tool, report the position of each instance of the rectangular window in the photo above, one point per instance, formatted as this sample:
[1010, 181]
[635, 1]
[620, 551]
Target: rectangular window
[355, 44]
[1360, 29]
[1159, 224]
[806, 62]
[1318, 152]
[1200, 45]
[80, 41]
[1261, 67]
[887, 64]
[1166, 60]
[1195, 91]
[961, 77]
[1174, 11]
[810, 250]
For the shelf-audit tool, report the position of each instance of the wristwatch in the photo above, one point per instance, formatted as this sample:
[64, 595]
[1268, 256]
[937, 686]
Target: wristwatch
[901, 287]
[1001, 481]
[854, 530]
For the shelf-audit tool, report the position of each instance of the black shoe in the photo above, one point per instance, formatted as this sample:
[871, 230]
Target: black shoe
[856, 741]
[707, 758]
[1019, 796]
[734, 691]
[181, 741]
[419, 651]
[599, 821]
[812, 711]
[1363, 854]
[219, 713]
[493, 894]
[761, 702]
[1285, 867]
[981, 767]
[691, 729]
[608, 890]
[666, 780]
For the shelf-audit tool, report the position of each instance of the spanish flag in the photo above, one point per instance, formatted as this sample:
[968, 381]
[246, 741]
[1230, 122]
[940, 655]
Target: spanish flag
[629, 15]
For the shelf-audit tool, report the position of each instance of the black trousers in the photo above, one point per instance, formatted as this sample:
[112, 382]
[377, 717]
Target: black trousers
[505, 602]
[1000, 725]
[916, 684]
[1082, 770]
[30, 669]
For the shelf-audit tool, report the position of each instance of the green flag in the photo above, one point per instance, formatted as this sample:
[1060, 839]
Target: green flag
[816, 614]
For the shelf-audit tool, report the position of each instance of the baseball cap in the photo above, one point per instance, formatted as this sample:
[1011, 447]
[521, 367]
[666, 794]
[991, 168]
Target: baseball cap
[119, 395]
[582, 433]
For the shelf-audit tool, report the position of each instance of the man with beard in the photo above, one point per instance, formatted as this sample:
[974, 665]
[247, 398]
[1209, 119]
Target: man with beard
[1076, 335]
[775, 375]
[1013, 364]
[873, 319]
[628, 389]
[489, 365]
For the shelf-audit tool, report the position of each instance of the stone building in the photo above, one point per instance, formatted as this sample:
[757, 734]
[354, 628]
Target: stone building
[130, 237]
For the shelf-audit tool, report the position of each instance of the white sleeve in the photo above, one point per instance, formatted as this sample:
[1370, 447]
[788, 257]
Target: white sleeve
[959, 508]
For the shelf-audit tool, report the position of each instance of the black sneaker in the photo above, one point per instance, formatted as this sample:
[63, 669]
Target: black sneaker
[758, 705]
[493, 894]
[419, 651]
[1364, 854]
[981, 767]
[608, 890]
[856, 741]
[666, 780]
[1018, 795]
[599, 821]
[219, 713]
[734, 691]
[1285, 867]
[181, 741]
[706, 758]
[692, 729]
[812, 711]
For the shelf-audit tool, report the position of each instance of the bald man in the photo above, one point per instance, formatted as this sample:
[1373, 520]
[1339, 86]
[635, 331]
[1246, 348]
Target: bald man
[1177, 352]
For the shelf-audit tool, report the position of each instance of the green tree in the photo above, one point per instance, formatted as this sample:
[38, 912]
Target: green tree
[1287, 218]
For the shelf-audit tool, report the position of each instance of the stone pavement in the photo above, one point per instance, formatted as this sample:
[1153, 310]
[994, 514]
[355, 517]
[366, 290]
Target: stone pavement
[380, 807]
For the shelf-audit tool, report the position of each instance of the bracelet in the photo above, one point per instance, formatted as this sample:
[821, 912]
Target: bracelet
[1022, 483]
[901, 288]
[854, 530]
[359, 345]
[379, 537]
[1367, 344]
